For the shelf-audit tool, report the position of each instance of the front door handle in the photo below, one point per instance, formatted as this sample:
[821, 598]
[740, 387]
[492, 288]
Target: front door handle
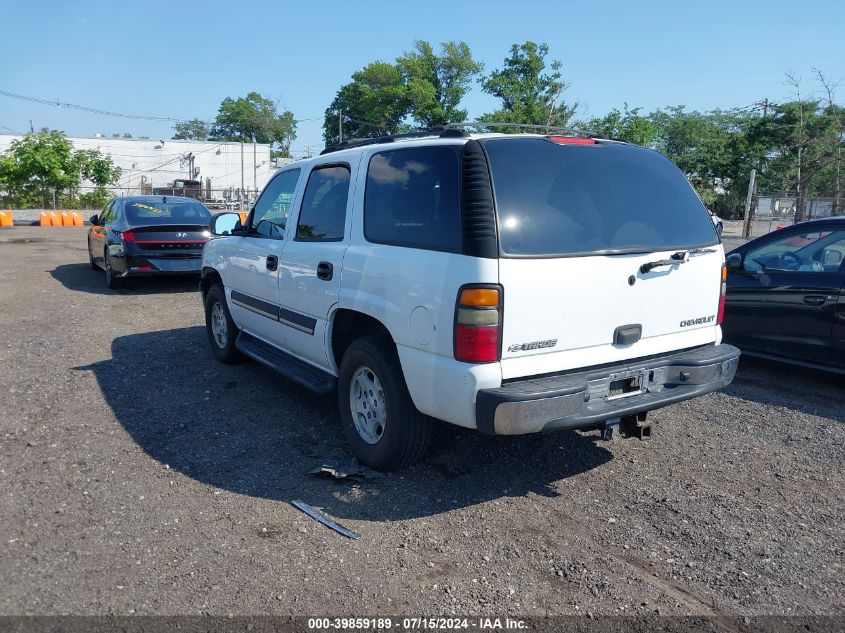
[814, 300]
[325, 271]
[272, 262]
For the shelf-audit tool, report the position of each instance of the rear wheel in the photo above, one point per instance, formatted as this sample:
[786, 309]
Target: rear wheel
[220, 327]
[381, 424]
[112, 280]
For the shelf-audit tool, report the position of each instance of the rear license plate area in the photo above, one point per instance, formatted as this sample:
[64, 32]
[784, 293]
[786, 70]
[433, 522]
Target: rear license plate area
[627, 384]
[624, 386]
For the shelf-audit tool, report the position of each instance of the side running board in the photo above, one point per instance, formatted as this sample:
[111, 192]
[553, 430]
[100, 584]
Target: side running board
[310, 377]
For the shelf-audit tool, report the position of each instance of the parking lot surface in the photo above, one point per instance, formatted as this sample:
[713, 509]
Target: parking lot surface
[138, 475]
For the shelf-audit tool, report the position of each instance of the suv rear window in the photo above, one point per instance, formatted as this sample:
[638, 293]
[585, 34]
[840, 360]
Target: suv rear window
[558, 200]
[412, 199]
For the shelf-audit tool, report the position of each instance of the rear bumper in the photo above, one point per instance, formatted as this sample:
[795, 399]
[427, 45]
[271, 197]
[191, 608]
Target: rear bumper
[585, 398]
[141, 266]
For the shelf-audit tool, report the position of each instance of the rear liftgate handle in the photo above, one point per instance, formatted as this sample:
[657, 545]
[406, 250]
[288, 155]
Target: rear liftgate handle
[325, 271]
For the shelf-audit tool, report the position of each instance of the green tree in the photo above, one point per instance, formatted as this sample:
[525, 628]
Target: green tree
[38, 165]
[374, 103]
[254, 117]
[43, 164]
[628, 125]
[530, 90]
[193, 130]
[436, 84]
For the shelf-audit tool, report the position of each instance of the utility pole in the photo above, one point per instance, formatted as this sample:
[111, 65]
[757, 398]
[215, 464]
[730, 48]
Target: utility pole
[242, 176]
[308, 150]
[254, 165]
[340, 124]
[31, 129]
[746, 225]
[766, 104]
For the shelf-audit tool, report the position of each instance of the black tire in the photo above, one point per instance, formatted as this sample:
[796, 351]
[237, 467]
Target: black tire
[91, 259]
[406, 433]
[226, 352]
[112, 281]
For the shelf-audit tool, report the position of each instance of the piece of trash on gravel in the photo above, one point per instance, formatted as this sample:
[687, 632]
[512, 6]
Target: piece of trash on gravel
[345, 470]
[324, 519]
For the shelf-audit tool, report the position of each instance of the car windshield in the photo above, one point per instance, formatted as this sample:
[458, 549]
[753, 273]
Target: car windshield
[560, 199]
[166, 212]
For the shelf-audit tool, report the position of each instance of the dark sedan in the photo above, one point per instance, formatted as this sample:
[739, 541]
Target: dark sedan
[148, 235]
[786, 295]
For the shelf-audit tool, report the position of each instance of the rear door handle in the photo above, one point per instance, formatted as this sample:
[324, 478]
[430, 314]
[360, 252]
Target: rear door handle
[814, 300]
[272, 262]
[325, 271]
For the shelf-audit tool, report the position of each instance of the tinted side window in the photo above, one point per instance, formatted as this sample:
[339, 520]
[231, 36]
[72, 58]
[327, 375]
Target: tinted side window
[273, 207]
[323, 214]
[812, 251]
[108, 215]
[412, 199]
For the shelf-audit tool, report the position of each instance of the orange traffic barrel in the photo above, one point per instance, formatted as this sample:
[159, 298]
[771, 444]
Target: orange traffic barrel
[6, 218]
[55, 218]
[67, 218]
[78, 220]
[44, 219]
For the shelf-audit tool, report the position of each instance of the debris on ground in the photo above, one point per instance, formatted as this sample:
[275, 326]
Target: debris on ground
[351, 469]
[324, 519]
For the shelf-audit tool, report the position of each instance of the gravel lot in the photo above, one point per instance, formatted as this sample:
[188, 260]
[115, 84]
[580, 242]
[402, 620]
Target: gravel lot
[137, 475]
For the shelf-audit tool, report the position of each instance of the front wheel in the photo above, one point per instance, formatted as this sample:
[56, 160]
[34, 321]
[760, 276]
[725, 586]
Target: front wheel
[220, 327]
[91, 258]
[381, 424]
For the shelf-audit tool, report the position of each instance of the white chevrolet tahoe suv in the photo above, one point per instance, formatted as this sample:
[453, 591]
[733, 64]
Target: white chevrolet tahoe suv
[506, 283]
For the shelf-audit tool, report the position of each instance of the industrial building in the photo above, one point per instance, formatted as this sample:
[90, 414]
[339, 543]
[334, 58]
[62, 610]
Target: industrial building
[221, 168]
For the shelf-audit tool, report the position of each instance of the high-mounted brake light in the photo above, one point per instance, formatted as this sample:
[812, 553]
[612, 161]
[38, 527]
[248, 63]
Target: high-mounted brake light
[720, 315]
[572, 140]
[478, 324]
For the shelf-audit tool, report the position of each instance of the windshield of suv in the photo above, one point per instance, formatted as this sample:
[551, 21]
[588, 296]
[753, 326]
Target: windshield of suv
[170, 212]
[601, 198]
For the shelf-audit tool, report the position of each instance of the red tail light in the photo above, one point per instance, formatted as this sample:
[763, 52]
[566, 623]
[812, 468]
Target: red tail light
[720, 315]
[478, 324]
[572, 140]
[128, 236]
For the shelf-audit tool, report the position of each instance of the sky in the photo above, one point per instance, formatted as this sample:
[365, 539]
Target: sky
[180, 60]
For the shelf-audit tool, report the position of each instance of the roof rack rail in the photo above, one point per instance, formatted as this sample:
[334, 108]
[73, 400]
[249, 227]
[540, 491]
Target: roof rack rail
[451, 130]
[442, 131]
[527, 126]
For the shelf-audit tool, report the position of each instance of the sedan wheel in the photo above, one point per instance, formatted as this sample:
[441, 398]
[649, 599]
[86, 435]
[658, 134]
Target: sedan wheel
[112, 280]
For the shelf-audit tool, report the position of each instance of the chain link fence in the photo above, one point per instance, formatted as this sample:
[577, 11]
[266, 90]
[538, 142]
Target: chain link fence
[771, 212]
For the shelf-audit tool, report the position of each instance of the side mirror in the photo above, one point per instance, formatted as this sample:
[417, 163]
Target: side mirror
[831, 257]
[734, 262]
[94, 220]
[225, 224]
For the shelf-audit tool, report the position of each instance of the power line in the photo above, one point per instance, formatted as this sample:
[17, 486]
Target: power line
[141, 117]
